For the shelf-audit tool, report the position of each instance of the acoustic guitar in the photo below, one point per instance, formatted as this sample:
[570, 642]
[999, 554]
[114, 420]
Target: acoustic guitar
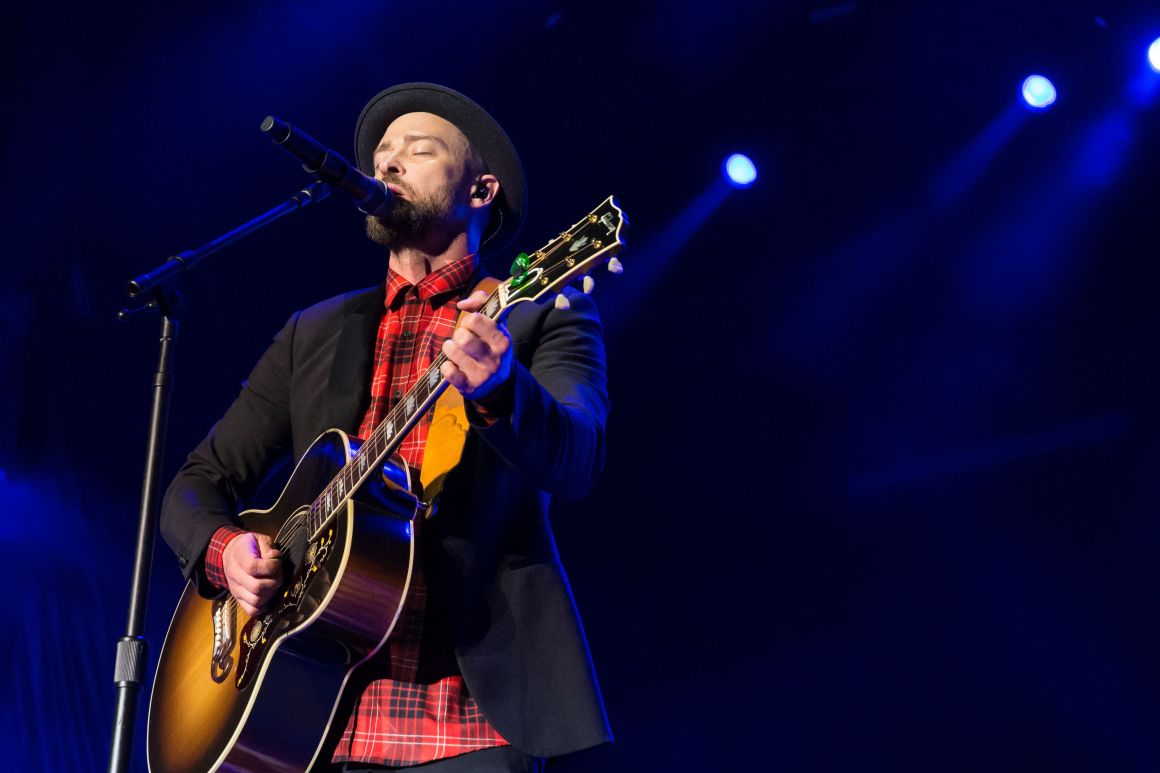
[236, 693]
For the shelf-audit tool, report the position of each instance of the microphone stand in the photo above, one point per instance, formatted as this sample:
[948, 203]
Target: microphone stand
[161, 287]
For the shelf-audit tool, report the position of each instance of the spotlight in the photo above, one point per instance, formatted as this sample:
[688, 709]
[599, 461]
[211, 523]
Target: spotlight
[1154, 54]
[740, 171]
[1038, 92]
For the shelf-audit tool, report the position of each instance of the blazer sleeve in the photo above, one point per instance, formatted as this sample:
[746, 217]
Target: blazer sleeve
[226, 468]
[555, 433]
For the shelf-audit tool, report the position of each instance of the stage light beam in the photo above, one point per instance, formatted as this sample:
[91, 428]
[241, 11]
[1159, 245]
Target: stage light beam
[1154, 55]
[740, 171]
[1038, 92]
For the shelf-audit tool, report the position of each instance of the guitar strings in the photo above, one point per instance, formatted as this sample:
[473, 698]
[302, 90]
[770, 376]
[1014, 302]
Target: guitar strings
[300, 520]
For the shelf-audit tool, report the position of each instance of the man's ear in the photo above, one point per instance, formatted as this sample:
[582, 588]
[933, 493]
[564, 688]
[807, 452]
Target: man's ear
[483, 190]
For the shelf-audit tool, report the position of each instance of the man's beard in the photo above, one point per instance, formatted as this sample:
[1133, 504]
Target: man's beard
[410, 221]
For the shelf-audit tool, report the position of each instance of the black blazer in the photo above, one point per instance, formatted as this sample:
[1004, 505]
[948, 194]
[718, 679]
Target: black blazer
[491, 563]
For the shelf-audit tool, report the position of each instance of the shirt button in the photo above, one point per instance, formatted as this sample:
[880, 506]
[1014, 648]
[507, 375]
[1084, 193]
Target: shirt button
[398, 394]
[407, 334]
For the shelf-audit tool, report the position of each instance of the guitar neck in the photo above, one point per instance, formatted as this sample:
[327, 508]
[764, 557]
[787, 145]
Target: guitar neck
[596, 236]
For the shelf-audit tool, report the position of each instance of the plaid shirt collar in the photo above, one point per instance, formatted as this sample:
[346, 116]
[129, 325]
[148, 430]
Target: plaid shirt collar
[454, 277]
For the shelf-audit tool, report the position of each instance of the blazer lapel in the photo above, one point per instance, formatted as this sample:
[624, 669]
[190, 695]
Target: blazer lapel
[348, 390]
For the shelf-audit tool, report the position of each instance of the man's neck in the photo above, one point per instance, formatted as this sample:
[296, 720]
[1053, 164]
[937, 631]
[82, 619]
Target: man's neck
[413, 263]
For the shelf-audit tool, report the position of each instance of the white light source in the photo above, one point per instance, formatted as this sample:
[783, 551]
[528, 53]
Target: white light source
[740, 171]
[1038, 92]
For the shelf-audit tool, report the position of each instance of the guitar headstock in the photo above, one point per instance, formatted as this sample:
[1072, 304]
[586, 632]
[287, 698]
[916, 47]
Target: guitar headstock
[593, 241]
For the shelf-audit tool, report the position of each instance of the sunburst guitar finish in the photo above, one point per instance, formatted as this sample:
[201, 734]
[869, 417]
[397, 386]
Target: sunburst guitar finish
[236, 693]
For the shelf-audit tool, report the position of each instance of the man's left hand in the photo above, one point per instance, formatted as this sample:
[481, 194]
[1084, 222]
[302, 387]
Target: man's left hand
[479, 352]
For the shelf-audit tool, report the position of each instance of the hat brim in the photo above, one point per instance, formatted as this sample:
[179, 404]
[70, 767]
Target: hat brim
[483, 131]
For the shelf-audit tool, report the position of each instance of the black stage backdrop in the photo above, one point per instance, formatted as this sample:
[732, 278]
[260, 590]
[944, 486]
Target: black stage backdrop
[881, 491]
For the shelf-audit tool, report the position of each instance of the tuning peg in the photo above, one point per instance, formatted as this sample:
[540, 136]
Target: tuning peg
[615, 266]
[588, 284]
[562, 302]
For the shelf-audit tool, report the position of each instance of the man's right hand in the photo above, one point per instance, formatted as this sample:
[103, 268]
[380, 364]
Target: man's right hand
[253, 571]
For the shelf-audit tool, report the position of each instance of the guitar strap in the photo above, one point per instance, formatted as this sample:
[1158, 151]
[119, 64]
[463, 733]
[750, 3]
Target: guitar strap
[444, 449]
[447, 433]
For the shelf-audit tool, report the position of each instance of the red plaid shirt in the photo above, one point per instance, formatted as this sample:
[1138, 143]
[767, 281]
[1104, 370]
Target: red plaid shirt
[401, 720]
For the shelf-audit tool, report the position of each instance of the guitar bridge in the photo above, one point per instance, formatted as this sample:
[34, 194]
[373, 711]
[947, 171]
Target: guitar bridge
[225, 622]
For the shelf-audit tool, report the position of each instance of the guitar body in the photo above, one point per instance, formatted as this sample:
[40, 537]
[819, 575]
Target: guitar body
[238, 693]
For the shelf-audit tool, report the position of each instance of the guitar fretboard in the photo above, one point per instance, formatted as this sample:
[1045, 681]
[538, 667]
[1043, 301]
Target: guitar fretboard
[556, 263]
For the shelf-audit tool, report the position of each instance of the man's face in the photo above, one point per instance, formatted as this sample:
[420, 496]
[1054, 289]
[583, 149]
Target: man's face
[426, 162]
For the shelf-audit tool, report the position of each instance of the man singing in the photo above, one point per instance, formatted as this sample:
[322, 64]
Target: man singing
[487, 668]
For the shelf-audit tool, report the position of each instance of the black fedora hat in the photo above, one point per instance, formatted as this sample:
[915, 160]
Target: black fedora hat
[484, 133]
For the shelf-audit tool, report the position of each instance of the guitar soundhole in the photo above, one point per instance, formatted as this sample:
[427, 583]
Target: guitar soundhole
[303, 566]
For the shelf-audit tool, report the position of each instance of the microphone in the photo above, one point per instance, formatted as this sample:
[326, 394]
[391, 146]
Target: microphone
[372, 196]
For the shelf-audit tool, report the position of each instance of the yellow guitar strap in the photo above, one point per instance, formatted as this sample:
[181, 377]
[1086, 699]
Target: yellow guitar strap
[448, 430]
[445, 438]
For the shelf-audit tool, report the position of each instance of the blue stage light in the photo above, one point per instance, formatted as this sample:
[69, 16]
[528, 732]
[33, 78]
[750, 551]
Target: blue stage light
[1038, 92]
[1154, 54]
[740, 171]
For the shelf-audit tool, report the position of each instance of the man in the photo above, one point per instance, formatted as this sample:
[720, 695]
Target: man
[488, 668]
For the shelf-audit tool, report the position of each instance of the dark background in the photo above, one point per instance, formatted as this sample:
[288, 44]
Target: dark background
[881, 491]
